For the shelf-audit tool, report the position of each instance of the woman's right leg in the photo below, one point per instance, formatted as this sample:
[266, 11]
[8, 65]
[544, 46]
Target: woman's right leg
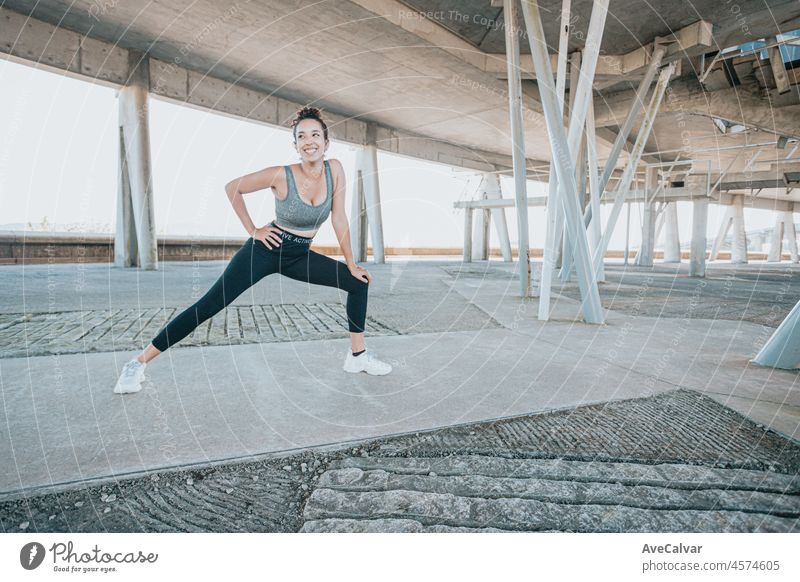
[251, 263]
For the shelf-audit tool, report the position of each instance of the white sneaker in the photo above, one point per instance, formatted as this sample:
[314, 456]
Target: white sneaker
[130, 380]
[367, 362]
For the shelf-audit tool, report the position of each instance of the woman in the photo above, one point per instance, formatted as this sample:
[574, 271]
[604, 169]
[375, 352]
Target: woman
[305, 194]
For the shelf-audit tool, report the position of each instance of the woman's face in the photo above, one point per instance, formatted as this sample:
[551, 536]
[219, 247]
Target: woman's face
[310, 140]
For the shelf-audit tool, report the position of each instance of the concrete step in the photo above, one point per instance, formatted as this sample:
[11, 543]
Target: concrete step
[482, 493]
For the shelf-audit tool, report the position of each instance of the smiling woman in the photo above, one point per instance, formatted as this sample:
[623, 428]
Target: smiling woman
[284, 248]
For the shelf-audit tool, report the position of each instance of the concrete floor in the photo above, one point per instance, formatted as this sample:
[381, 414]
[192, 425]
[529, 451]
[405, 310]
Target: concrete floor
[209, 403]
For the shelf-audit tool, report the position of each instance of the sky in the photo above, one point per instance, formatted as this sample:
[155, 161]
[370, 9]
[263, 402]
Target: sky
[59, 160]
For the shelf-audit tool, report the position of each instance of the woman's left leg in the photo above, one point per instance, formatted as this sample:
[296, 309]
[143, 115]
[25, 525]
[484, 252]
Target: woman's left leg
[319, 269]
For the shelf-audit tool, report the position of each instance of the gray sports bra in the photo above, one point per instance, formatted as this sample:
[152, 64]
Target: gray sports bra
[294, 212]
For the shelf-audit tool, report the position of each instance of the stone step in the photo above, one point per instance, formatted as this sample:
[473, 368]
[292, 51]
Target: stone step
[659, 497]
[515, 514]
[476, 492]
[672, 475]
[386, 526]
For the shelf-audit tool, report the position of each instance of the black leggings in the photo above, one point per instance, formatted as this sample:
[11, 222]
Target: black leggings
[254, 261]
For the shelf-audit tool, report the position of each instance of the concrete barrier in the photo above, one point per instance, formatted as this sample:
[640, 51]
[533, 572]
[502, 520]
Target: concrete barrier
[35, 248]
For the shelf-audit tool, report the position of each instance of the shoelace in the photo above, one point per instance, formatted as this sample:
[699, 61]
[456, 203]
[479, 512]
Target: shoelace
[130, 370]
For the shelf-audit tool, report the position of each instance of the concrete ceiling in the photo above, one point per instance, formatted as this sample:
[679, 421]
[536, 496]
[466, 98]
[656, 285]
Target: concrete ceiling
[630, 23]
[350, 58]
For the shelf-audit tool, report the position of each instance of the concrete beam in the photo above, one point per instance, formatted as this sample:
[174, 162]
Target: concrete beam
[741, 105]
[63, 51]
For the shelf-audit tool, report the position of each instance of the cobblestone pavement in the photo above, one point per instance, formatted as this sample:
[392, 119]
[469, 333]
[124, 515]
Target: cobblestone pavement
[674, 462]
[126, 329]
[70, 332]
[728, 293]
[762, 296]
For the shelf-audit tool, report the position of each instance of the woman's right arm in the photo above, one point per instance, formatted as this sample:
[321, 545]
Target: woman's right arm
[266, 178]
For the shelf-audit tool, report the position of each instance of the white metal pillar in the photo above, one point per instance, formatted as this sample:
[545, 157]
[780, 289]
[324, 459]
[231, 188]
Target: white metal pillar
[562, 147]
[672, 241]
[636, 106]
[553, 213]
[135, 238]
[782, 349]
[697, 256]
[578, 159]
[517, 142]
[784, 228]
[633, 162]
[638, 102]
[594, 186]
[722, 232]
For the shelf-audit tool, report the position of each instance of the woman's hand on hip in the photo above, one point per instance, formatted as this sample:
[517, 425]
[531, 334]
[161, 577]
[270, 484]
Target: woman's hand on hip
[360, 273]
[268, 234]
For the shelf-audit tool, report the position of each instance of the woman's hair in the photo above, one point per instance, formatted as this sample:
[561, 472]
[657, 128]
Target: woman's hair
[308, 113]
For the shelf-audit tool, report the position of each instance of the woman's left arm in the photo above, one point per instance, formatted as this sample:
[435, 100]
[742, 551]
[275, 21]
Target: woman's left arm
[339, 220]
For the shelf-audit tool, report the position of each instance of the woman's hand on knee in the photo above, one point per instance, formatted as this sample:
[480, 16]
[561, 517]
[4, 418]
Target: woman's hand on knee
[268, 235]
[360, 273]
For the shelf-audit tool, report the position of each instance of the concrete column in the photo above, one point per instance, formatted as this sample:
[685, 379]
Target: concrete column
[358, 212]
[368, 189]
[468, 234]
[480, 230]
[739, 239]
[672, 241]
[135, 238]
[489, 189]
[644, 257]
[697, 256]
[791, 235]
[126, 253]
[784, 227]
[776, 240]
[372, 194]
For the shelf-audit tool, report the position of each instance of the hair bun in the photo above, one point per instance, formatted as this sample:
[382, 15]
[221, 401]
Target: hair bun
[308, 112]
